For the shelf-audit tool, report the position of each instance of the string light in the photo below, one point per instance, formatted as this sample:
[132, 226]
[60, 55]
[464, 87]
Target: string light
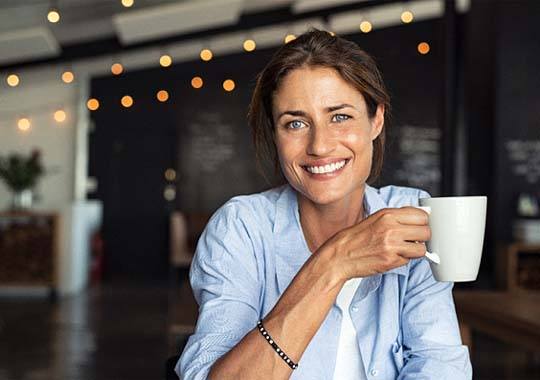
[127, 3]
[249, 45]
[92, 104]
[289, 38]
[407, 17]
[365, 26]
[53, 16]
[206, 54]
[170, 174]
[165, 60]
[423, 48]
[60, 116]
[12, 80]
[196, 82]
[23, 124]
[228, 85]
[162, 95]
[127, 101]
[67, 76]
[117, 68]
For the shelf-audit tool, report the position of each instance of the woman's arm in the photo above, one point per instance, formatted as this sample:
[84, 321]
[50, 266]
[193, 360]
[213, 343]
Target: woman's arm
[292, 323]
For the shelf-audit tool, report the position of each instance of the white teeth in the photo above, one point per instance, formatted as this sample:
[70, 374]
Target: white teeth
[326, 168]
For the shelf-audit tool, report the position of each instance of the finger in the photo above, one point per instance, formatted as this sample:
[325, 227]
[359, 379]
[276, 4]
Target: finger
[412, 216]
[412, 250]
[414, 233]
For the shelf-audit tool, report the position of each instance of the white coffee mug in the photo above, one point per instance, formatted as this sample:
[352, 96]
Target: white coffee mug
[457, 235]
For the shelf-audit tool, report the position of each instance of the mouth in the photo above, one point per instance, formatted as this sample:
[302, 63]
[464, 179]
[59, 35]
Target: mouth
[328, 170]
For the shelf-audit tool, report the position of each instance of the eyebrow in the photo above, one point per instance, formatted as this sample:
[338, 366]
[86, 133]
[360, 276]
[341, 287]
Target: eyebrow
[327, 109]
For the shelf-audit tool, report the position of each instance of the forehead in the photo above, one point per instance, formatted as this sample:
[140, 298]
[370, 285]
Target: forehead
[315, 86]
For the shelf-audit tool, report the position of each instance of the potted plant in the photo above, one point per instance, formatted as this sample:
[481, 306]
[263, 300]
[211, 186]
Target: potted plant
[20, 173]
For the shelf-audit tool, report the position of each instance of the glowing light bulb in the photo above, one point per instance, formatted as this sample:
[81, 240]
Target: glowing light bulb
[67, 77]
[228, 85]
[127, 101]
[53, 16]
[165, 60]
[127, 3]
[12, 80]
[206, 55]
[117, 68]
[197, 82]
[60, 116]
[423, 48]
[24, 124]
[162, 96]
[92, 104]
[365, 26]
[407, 17]
[289, 38]
[249, 45]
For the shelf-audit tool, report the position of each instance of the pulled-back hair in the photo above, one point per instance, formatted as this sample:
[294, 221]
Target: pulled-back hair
[311, 49]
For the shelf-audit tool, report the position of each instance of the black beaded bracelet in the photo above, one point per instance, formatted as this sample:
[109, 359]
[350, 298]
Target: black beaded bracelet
[278, 350]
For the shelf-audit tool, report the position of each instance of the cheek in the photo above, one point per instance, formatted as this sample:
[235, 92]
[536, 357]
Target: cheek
[357, 140]
[288, 149]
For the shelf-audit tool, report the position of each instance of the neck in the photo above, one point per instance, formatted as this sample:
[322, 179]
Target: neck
[321, 222]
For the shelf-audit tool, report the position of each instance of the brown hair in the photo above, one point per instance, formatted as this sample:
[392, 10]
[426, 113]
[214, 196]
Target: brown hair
[316, 48]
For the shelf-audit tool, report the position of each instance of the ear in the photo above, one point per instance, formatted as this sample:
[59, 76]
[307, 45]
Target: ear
[377, 122]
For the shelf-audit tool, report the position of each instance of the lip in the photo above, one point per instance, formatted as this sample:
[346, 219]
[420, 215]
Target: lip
[325, 176]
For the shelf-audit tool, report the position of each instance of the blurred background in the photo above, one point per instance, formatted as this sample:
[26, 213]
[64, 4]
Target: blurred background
[123, 128]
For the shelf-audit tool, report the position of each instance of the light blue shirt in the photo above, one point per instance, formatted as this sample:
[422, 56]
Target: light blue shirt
[249, 253]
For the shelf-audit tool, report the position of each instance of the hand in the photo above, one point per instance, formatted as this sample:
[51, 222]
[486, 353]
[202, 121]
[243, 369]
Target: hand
[385, 240]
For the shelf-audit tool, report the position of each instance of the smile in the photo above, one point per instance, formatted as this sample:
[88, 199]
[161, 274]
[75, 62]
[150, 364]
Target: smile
[326, 169]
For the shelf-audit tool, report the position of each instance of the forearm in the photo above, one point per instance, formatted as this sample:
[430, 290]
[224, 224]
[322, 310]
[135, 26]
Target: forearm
[292, 323]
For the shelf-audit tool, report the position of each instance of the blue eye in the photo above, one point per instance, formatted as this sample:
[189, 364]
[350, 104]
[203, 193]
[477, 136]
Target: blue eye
[295, 124]
[340, 117]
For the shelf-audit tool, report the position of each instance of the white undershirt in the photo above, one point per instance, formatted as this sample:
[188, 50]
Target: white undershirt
[349, 365]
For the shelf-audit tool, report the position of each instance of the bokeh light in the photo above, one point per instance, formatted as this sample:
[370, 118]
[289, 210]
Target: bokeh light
[127, 101]
[196, 82]
[423, 48]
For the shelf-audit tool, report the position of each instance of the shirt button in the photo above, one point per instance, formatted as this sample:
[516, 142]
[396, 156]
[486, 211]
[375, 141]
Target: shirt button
[355, 308]
[374, 372]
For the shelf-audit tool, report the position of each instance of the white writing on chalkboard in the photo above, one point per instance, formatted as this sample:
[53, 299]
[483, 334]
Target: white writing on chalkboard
[419, 153]
[524, 157]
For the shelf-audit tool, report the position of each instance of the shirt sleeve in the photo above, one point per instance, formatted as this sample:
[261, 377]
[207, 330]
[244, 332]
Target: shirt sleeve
[432, 347]
[225, 283]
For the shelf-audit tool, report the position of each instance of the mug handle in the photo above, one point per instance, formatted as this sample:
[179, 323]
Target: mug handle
[432, 256]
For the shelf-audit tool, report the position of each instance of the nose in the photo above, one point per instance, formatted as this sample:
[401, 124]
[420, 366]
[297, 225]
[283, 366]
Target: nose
[321, 142]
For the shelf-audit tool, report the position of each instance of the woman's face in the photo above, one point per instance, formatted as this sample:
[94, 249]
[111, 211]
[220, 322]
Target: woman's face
[324, 135]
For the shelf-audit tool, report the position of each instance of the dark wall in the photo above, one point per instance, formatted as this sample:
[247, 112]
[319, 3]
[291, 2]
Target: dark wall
[502, 102]
[517, 104]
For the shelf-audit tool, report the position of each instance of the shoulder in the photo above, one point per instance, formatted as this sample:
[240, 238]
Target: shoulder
[246, 218]
[398, 196]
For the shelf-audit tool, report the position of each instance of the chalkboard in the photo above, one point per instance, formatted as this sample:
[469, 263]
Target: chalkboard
[524, 159]
[413, 158]
[216, 160]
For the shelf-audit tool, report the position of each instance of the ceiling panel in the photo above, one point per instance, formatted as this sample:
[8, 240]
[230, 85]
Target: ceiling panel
[168, 20]
[25, 44]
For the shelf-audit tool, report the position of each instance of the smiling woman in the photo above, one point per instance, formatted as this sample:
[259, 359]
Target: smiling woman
[323, 277]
